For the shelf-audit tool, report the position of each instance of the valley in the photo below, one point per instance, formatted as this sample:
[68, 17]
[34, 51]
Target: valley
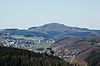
[72, 44]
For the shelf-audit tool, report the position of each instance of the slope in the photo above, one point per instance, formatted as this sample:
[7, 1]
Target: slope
[20, 57]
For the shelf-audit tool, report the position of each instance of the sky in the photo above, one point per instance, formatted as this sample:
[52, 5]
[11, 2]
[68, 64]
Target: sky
[28, 13]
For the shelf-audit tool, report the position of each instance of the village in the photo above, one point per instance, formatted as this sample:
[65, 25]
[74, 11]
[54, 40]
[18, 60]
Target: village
[41, 46]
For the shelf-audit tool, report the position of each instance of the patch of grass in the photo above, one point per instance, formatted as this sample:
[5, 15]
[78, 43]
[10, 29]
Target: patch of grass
[41, 45]
[27, 38]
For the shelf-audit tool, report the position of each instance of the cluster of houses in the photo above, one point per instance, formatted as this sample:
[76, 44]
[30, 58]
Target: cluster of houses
[22, 43]
[66, 53]
[70, 53]
[49, 51]
[50, 41]
[97, 44]
[17, 43]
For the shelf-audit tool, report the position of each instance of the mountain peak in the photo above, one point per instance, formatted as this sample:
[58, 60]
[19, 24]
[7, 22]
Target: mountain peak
[56, 25]
[53, 24]
[50, 26]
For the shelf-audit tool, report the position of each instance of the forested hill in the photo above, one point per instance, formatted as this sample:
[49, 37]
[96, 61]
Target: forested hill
[94, 58]
[20, 57]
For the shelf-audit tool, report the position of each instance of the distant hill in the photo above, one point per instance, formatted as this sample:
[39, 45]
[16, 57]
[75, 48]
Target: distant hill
[59, 31]
[22, 32]
[54, 31]
[19, 57]
[57, 27]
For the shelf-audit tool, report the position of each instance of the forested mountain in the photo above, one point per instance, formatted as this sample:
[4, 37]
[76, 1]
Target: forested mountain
[56, 30]
[20, 57]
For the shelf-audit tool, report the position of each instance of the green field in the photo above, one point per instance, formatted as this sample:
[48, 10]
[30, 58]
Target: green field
[41, 45]
[27, 38]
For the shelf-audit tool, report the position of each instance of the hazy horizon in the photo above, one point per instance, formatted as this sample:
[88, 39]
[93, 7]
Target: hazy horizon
[23, 14]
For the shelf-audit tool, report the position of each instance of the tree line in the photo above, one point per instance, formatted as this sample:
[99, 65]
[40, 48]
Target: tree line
[20, 57]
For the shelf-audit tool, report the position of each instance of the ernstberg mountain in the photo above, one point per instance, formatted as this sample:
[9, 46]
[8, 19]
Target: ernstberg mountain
[53, 31]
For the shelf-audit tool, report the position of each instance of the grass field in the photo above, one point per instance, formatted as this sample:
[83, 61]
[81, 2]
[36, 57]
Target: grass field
[27, 38]
[41, 45]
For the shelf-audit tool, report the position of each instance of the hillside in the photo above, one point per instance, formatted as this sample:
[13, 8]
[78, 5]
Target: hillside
[90, 56]
[93, 58]
[52, 30]
[79, 50]
[19, 57]
[56, 30]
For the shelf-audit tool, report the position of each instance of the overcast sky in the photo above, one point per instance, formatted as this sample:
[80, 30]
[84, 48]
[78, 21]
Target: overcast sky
[28, 13]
